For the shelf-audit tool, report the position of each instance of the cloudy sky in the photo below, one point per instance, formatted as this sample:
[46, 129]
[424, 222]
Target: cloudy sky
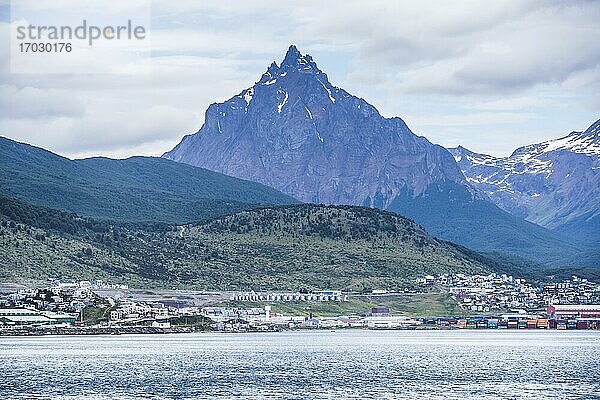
[491, 76]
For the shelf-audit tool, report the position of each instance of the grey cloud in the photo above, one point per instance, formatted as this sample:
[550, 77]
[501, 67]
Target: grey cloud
[31, 102]
[458, 50]
[403, 51]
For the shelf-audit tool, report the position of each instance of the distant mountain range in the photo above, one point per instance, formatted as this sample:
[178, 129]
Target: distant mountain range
[134, 189]
[295, 131]
[555, 184]
[293, 136]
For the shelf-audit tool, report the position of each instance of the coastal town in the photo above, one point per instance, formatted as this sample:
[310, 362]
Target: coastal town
[496, 293]
[485, 302]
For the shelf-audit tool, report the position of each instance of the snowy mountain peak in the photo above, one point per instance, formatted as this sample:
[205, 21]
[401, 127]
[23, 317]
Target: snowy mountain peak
[594, 129]
[294, 130]
[587, 143]
[576, 142]
[296, 83]
[295, 60]
[549, 183]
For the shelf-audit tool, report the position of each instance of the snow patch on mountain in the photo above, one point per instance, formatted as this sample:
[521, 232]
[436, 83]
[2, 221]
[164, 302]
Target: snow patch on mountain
[280, 106]
[248, 95]
[328, 92]
[308, 113]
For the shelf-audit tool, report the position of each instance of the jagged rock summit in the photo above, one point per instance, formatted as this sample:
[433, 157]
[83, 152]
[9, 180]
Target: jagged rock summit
[295, 131]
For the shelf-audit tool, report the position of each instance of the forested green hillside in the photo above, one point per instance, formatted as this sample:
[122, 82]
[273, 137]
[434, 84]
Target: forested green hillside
[134, 189]
[448, 211]
[287, 247]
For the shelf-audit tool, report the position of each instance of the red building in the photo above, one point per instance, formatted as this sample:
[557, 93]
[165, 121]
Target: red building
[563, 311]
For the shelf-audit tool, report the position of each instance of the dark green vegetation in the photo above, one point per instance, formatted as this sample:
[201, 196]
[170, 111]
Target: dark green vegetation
[585, 228]
[134, 189]
[93, 315]
[198, 322]
[289, 247]
[449, 211]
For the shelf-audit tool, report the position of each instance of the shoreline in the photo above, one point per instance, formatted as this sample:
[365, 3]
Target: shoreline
[148, 330]
[97, 331]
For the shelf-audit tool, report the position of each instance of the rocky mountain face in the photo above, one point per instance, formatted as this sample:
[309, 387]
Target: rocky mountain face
[293, 130]
[555, 184]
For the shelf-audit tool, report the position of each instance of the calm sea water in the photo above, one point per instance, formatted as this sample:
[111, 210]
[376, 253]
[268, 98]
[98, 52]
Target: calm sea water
[305, 365]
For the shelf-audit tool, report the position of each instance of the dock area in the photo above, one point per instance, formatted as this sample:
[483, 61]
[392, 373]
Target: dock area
[123, 330]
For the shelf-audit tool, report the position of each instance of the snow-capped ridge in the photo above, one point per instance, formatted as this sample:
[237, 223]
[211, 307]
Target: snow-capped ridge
[594, 129]
[587, 142]
[549, 183]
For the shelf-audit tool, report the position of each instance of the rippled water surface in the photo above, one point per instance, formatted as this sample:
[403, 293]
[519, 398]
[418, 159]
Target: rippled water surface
[305, 365]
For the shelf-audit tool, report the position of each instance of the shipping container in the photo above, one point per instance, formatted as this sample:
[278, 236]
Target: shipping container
[582, 325]
[542, 324]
